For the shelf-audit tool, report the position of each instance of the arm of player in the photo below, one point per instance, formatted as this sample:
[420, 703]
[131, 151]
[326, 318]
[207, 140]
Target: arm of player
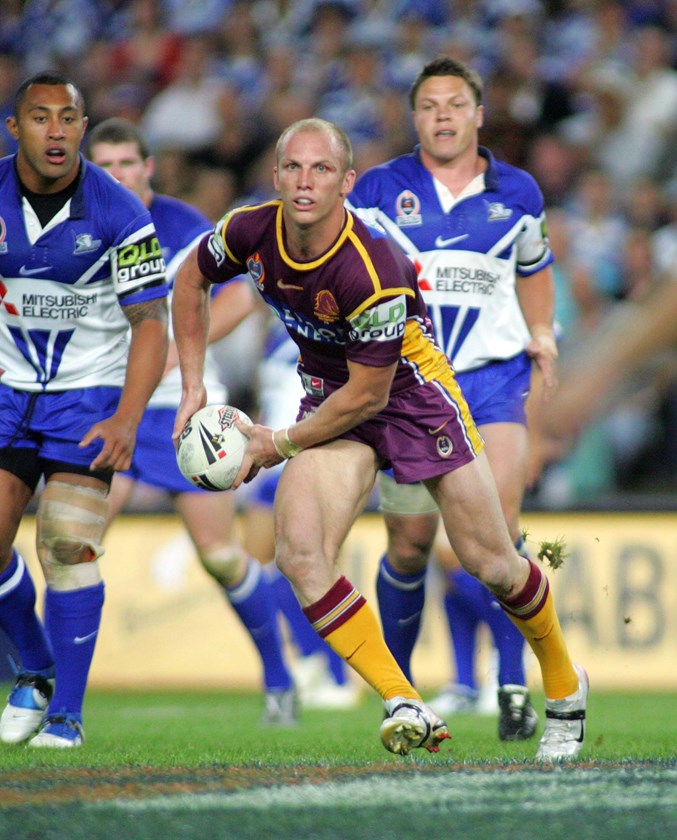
[145, 363]
[364, 394]
[536, 296]
[592, 378]
[191, 324]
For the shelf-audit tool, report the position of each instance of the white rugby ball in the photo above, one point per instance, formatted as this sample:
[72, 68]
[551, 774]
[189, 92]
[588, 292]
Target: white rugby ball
[211, 449]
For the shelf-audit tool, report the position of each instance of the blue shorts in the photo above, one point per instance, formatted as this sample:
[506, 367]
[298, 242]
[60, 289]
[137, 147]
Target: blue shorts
[264, 486]
[44, 428]
[154, 459]
[497, 392]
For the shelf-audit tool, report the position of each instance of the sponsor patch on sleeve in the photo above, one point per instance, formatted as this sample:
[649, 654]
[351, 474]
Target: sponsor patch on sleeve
[138, 264]
[383, 322]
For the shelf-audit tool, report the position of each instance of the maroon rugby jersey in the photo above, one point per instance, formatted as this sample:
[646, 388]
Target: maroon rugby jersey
[359, 301]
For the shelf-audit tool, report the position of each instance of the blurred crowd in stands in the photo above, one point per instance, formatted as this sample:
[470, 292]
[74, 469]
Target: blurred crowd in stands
[581, 93]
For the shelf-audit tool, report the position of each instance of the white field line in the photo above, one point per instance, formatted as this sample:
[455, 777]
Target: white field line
[466, 792]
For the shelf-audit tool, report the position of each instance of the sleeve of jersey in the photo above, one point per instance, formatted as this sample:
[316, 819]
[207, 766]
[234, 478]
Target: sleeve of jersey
[216, 256]
[533, 247]
[137, 267]
[377, 316]
[363, 200]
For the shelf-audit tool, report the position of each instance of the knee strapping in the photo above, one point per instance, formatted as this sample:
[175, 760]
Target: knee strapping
[226, 563]
[70, 525]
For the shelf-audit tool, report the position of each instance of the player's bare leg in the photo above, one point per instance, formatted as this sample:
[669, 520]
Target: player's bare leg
[320, 494]
[210, 521]
[474, 522]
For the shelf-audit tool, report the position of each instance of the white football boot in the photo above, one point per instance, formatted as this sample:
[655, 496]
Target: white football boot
[565, 724]
[409, 724]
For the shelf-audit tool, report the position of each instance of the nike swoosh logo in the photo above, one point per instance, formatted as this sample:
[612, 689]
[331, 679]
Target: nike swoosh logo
[404, 622]
[282, 285]
[438, 429]
[80, 639]
[28, 272]
[442, 243]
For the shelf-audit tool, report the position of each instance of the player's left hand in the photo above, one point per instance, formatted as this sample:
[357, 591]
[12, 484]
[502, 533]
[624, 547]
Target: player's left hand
[119, 437]
[260, 452]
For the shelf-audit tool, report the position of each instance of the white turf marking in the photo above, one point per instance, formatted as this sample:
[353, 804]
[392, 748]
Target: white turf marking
[466, 792]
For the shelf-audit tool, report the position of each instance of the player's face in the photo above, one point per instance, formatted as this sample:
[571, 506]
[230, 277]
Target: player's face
[49, 129]
[125, 164]
[312, 180]
[446, 118]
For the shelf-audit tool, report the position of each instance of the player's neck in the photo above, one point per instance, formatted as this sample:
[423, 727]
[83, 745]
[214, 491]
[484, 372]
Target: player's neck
[307, 242]
[458, 172]
[41, 185]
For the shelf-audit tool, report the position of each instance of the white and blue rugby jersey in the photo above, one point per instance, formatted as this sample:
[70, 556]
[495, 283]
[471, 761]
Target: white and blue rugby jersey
[466, 257]
[280, 388]
[180, 227]
[62, 286]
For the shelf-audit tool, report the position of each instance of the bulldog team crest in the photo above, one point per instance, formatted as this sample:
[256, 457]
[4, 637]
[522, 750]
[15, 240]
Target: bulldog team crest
[408, 208]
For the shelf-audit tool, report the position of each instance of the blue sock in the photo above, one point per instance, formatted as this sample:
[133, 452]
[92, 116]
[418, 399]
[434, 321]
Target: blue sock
[508, 640]
[253, 601]
[463, 604]
[303, 636]
[521, 547]
[20, 621]
[337, 665]
[400, 601]
[72, 621]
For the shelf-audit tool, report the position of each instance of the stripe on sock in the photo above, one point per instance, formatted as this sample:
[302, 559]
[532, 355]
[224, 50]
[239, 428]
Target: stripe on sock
[531, 599]
[247, 585]
[15, 579]
[407, 583]
[334, 608]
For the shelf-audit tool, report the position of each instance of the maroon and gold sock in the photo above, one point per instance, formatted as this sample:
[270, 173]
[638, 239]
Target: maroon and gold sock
[344, 619]
[533, 613]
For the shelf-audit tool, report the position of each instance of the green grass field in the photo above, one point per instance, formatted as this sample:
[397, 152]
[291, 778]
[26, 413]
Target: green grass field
[178, 765]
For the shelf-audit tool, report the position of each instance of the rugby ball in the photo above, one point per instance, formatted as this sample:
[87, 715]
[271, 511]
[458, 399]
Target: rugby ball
[211, 449]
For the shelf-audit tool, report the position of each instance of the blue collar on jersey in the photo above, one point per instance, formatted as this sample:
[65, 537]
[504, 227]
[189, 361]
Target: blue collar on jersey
[78, 199]
[490, 176]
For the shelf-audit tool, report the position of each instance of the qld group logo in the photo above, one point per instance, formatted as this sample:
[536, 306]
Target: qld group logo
[408, 209]
[256, 270]
[444, 446]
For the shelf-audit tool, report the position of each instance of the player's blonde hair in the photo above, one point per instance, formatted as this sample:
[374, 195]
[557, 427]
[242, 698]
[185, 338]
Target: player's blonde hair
[323, 127]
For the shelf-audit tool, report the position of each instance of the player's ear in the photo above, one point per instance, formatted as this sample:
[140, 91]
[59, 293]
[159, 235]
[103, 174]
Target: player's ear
[479, 119]
[348, 182]
[276, 179]
[12, 127]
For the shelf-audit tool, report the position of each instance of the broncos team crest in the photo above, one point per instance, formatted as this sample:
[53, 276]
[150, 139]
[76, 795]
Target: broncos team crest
[326, 308]
[444, 446]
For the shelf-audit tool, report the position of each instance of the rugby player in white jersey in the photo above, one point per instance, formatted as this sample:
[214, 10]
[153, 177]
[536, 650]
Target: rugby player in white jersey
[81, 267]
